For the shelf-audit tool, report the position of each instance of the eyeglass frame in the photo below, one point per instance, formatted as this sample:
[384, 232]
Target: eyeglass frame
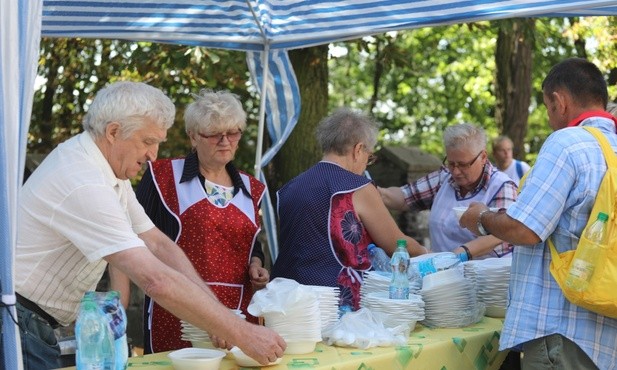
[217, 138]
[372, 157]
[461, 166]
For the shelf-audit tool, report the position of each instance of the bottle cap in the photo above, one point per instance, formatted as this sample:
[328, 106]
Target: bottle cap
[371, 246]
[602, 216]
[401, 243]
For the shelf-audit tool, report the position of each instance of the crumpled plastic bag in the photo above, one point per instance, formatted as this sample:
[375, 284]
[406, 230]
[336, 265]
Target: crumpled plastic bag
[362, 329]
[280, 296]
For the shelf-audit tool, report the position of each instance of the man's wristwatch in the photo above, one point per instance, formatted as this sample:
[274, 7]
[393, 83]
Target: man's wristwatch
[481, 228]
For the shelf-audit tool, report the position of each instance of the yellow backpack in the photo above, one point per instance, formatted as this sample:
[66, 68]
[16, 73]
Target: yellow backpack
[601, 293]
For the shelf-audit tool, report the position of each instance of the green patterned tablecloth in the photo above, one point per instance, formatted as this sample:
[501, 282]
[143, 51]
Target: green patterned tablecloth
[472, 347]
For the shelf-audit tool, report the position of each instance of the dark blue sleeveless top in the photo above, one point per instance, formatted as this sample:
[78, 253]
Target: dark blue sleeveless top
[304, 204]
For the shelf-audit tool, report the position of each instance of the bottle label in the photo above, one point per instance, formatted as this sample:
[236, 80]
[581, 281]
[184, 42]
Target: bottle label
[399, 292]
[581, 269]
[426, 267]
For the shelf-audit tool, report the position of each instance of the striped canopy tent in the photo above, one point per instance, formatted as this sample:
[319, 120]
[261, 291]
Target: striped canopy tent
[264, 29]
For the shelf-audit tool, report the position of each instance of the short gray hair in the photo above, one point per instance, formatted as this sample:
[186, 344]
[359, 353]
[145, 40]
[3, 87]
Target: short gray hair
[343, 129]
[464, 135]
[130, 104]
[214, 111]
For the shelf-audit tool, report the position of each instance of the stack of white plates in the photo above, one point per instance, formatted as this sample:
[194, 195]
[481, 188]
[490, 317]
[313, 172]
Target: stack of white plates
[379, 281]
[198, 337]
[375, 281]
[492, 277]
[300, 326]
[450, 300]
[395, 312]
[292, 310]
[328, 298]
[193, 334]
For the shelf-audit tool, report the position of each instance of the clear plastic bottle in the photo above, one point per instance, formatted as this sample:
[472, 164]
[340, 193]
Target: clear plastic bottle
[111, 306]
[439, 262]
[95, 341]
[399, 285]
[379, 258]
[583, 265]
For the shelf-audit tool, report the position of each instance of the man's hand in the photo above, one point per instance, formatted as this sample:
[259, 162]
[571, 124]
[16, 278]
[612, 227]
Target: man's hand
[262, 344]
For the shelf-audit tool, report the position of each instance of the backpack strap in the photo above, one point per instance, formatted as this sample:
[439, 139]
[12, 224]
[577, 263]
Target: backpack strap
[611, 161]
[519, 168]
[609, 155]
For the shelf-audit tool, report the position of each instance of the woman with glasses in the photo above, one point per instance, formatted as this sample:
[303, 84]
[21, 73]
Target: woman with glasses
[330, 213]
[210, 209]
[466, 176]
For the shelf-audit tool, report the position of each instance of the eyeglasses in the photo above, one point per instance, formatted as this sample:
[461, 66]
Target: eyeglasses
[217, 138]
[372, 158]
[461, 166]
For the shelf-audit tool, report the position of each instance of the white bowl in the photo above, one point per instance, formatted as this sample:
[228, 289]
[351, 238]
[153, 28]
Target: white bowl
[243, 360]
[300, 347]
[202, 344]
[439, 278]
[196, 359]
[459, 211]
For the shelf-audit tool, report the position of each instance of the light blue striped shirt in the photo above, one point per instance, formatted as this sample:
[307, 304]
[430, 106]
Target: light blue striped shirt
[555, 201]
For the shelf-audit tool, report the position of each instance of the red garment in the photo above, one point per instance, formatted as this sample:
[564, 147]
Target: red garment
[217, 240]
[349, 241]
[593, 113]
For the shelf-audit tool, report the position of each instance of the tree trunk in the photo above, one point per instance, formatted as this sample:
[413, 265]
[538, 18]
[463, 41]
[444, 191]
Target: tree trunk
[301, 150]
[513, 58]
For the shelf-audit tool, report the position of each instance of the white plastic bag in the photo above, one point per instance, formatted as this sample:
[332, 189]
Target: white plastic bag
[361, 329]
[279, 296]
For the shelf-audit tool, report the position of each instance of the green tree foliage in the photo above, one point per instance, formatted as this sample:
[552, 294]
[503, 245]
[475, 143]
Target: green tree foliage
[415, 82]
[72, 70]
[430, 78]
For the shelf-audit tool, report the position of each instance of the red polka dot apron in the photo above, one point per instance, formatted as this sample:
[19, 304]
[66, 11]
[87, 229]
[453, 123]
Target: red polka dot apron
[218, 240]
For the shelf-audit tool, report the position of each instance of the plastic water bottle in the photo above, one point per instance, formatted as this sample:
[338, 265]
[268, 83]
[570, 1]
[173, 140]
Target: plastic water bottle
[379, 258]
[399, 285]
[439, 262]
[94, 338]
[585, 261]
[109, 303]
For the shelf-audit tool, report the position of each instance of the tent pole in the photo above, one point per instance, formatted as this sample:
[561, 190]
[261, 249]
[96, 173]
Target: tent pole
[262, 108]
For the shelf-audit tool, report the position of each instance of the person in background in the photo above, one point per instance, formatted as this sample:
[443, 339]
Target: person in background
[555, 202]
[466, 176]
[502, 153]
[77, 213]
[210, 209]
[330, 213]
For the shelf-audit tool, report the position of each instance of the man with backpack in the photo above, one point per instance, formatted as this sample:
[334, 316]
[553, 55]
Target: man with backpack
[505, 162]
[555, 202]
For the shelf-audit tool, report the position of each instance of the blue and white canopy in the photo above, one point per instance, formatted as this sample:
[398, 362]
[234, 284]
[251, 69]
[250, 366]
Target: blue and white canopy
[265, 29]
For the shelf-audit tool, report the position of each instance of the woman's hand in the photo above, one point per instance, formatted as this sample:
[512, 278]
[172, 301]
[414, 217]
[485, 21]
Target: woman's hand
[259, 276]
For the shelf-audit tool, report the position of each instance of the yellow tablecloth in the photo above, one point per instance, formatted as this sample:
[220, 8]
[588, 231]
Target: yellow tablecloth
[472, 347]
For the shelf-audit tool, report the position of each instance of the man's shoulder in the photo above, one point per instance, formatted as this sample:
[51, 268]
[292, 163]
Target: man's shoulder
[566, 138]
[67, 171]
